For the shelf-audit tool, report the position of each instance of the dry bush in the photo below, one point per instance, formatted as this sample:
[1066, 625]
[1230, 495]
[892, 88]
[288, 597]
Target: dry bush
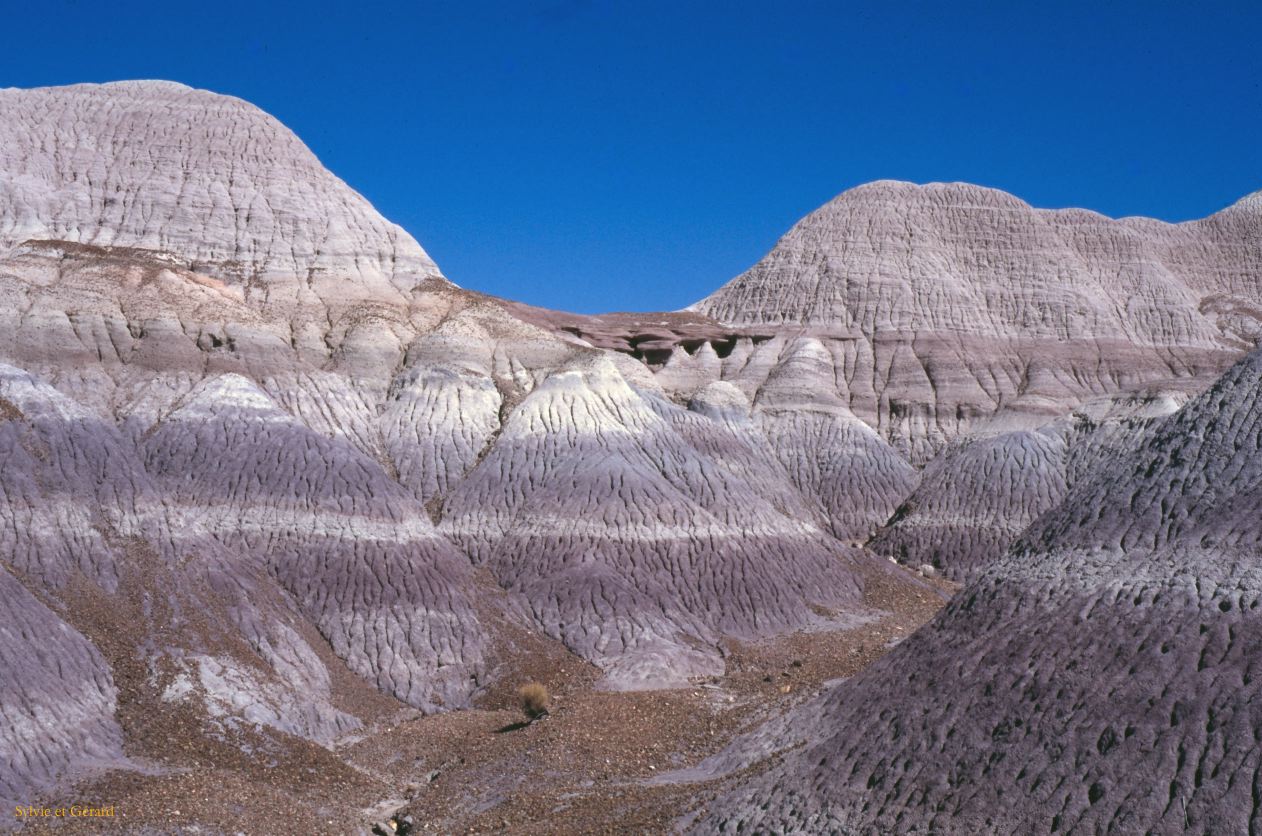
[534, 700]
[9, 411]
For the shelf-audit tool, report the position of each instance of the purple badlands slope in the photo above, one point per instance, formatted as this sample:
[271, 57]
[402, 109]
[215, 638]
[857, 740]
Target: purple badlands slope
[1103, 677]
[263, 467]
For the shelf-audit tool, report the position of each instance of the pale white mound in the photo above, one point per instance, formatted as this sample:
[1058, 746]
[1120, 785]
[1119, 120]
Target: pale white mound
[207, 177]
[953, 257]
[943, 304]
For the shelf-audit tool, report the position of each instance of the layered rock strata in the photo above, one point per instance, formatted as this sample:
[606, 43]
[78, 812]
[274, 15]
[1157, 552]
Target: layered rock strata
[943, 304]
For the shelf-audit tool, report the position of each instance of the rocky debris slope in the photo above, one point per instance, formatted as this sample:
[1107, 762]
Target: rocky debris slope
[98, 560]
[943, 304]
[57, 699]
[1103, 676]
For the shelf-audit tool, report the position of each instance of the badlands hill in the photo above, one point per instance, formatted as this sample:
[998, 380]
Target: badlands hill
[269, 482]
[262, 468]
[1004, 347]
[1102, 677]
[941, 305]
[160, 166]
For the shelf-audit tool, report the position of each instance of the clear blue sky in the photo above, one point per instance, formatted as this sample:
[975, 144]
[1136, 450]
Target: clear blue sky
[593, 156]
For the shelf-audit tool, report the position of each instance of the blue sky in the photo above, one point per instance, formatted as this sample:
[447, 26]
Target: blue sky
[593, 156]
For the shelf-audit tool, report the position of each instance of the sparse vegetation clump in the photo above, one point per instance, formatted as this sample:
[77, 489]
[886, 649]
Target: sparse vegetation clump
[534, 700]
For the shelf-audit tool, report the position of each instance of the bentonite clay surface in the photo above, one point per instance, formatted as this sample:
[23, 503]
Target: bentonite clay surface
[976, 497]
[286, 517]
[945, 303]
[1103, 677]
[162, 166]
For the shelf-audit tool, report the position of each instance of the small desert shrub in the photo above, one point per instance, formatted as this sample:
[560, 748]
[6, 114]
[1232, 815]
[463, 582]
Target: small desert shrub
[534, 700]
[9, 411]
